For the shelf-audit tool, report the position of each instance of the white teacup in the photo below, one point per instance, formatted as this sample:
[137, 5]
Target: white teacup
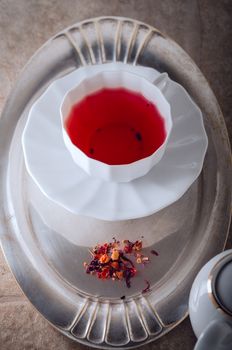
[112, 80]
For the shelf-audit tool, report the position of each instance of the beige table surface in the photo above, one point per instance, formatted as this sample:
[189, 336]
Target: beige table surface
[203, 28]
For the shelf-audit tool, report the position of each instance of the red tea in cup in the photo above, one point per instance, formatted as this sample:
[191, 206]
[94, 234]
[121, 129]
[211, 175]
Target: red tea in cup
[116, 126]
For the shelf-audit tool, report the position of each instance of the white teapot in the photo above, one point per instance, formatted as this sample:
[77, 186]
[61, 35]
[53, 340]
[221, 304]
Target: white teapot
[210, 304]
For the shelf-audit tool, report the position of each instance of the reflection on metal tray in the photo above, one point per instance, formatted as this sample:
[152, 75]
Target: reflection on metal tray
[48, 266]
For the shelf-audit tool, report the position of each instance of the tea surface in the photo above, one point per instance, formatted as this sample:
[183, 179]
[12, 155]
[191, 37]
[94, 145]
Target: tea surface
[116, 126]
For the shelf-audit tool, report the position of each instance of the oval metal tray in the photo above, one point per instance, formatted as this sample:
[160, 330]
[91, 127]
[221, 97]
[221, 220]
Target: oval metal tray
[187, 234]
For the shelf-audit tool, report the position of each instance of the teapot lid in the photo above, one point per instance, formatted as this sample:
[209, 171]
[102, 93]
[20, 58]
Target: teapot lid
[222, 284]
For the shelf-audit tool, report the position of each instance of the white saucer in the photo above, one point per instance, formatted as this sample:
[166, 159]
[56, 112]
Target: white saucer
[50, 164]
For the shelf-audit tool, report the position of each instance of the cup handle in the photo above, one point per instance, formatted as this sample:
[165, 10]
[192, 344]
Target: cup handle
[216, 336]
[161, 81]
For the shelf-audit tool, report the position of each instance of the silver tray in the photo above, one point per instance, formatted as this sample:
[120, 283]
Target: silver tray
[188, 233]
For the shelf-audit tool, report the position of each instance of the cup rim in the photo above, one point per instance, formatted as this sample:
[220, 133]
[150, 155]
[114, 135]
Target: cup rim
[122, 72]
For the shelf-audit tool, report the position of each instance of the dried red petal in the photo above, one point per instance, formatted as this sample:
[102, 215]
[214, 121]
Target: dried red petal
[147, 289]
[154, 252]
[110, 261]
